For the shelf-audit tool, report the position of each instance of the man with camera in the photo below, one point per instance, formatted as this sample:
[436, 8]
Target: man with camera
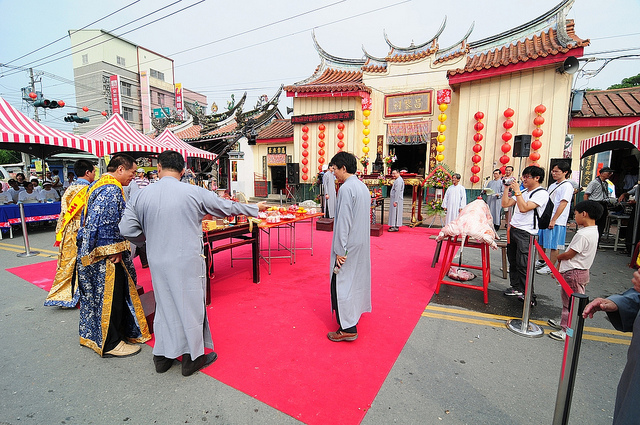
[598, 190]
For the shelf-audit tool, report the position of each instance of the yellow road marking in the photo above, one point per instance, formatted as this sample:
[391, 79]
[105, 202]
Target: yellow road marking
[463, 316]
[21, 247]
[22, 250]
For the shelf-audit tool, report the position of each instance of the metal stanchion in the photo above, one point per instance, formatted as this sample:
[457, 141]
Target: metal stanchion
[570, 360]
[523, 326]
[28, 252]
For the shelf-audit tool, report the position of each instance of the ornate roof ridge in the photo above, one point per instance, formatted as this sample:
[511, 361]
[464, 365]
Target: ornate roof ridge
[335, 60]
[462, 43]
[413, 48]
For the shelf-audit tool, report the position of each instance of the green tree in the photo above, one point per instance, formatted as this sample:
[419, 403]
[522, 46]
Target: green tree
[627, 82]
[9, 157]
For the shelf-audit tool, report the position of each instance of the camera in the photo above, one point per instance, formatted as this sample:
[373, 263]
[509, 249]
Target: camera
[508, 180]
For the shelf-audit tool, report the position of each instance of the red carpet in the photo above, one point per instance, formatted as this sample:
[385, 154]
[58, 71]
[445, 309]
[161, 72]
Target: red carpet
[271, 338]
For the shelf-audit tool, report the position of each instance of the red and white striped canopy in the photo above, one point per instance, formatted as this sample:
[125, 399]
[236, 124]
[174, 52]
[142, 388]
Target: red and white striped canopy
[630, 134]
[171, 141]
[30, 136]
[118, 136]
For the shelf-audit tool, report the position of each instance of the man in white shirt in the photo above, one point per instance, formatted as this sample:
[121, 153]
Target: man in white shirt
[455, 199]
[523, 225]
[553, 238]
[47, 194]
[28, 196]
[14, 190]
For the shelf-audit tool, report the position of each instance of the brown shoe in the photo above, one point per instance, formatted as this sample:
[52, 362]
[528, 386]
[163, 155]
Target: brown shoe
[339, 335]
[123, 350]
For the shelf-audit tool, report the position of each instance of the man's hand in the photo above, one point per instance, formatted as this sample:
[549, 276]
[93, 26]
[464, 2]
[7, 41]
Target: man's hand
[262, 205]
[599, 304]
[636, 280]
[395, 204]
[552, 223]
[326, 196]
[116, 258]
[340, 260]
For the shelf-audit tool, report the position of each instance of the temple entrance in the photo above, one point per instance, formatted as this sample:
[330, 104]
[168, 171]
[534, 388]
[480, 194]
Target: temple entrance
[409, 141]
[411, 158]
[278, 179]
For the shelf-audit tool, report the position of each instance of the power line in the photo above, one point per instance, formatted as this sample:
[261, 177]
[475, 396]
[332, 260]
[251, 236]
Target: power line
[615, 36]
[64, 36]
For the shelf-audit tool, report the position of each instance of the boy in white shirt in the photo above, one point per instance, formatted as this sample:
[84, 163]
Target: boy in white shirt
[47, 193]
[28, 196]
[576, 261]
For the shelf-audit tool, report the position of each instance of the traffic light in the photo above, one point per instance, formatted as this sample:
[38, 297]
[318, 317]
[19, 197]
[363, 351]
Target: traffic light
[75, 118]
[48, 104]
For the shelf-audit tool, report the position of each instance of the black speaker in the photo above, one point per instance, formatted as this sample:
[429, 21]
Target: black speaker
[293, 172]
[521, 145]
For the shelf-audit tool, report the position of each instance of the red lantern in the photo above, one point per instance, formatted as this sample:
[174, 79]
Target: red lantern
[321, 144]
[305, 170]
[477, 148]
[478, 126]
[33, 96]
[534, 156]
[321, 127]
[536, 133]
[475, 159]
[507, 124]
[305, 129]
[504, 159]
[321, 160]
[536, 144]
[340, 126]
[305, 177]
[340, 136]
[84, 108]
[474, 179]
[506, 136]
[477, 137]
[503, 169]
[321, 136]
[305, 137]
[538, 120]
[319, 168]
[321, 152]
[478, 116]
[475, 169]
[341, 144]
[508, 113]
[305, 153]
[305, 161]
[505, 148]
[541, 109]
[305, 145]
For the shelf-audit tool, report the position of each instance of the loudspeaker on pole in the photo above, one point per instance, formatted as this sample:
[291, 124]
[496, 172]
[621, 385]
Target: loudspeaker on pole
[521, 145]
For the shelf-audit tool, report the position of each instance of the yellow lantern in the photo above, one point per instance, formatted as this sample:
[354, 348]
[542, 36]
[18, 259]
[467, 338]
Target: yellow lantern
[366, 112]
[365, 149]
[442, 128]
[366, 140]
[366, 121]
[440, 158]
[441, 138]
[366, 131]
[440, 148]
[443, 107]
[442, 117]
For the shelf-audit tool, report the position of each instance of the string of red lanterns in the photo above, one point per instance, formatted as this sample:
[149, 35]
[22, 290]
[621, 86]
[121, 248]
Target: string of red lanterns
[305, 153]
[321, 136]
[537, 133]
[506, 136]
[340, 136]
[477, 147]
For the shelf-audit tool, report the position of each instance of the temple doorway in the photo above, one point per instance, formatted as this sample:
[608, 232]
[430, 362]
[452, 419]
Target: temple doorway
[278, 179]
[410, 157]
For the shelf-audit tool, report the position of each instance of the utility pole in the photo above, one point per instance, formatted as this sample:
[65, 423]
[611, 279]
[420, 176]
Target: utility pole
[33, 87]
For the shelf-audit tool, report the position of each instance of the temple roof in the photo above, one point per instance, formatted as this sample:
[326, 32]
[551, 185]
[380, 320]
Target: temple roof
[610, 103]
[278, 129]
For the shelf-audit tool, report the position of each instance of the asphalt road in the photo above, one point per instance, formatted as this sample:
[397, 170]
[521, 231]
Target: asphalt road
[460, 366]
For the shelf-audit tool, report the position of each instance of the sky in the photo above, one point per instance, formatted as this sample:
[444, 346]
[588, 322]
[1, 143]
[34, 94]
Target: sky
[229, 47]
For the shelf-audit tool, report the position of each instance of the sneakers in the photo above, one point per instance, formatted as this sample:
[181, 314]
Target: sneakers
[513, 292]
[554, 324]
[123, 350]
[544, 270]
[534, 301]
[540, 263]
[558, 335]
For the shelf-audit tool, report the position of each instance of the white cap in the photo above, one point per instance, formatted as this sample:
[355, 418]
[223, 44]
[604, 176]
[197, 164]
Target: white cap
[325, 167]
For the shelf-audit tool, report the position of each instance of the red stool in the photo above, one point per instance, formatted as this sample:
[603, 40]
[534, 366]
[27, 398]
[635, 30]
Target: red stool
[452, 242]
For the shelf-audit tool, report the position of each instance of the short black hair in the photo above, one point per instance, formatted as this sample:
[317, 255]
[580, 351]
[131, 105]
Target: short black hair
[534, 171]
[347, 160]
[563, 166]
[81, 166]
[498, 170]
[509, 166]
[171, 160]
[120, 159]
[593, 209]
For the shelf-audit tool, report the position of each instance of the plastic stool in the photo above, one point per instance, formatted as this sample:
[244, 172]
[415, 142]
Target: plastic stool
[449, 253]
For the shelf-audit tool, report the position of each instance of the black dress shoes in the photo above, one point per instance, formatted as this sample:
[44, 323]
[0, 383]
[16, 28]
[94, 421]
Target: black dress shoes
[162, 363]
[189, 367]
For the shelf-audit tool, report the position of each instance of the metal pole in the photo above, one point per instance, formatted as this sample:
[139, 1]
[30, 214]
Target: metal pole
[570, 360]
[28, 252]
[522, 326]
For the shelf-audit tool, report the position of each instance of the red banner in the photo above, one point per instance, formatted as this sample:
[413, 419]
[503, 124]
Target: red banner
[443, 96]
[114, 83]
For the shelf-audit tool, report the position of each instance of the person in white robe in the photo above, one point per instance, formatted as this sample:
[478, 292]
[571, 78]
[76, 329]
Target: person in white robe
[350, 250]
[329, 186]
[168, 216]
[395, 202]
[494, 200]
[455, 198]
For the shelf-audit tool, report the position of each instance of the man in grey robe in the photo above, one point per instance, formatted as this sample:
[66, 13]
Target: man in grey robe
[395, 202]
[350, 250]
[494, 200]
[455, 199]
[624, 313]
[329, 185]
[168, 215]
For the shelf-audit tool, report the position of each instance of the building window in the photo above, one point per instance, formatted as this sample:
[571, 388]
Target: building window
[85, 59]
[127, 113]
[157, 74]
[120, 61]
[125, 89]
[161, 99]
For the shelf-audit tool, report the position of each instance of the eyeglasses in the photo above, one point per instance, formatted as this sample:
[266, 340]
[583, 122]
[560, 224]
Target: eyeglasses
[526, 176]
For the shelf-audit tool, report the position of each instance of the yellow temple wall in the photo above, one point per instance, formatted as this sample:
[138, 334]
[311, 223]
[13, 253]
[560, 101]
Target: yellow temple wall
[521, 91]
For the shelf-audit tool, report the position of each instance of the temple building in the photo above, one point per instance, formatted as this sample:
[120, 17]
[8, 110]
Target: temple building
[452, 105]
